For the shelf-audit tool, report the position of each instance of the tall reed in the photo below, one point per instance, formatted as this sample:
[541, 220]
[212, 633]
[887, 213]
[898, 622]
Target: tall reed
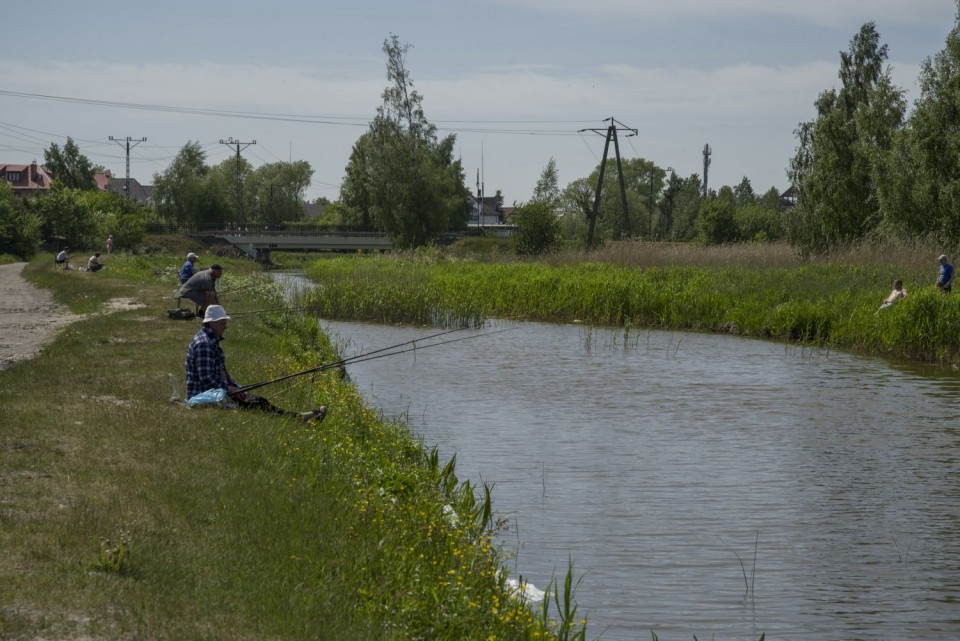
[826, 303]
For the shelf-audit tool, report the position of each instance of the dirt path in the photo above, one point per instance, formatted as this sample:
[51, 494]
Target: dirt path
[28, 316]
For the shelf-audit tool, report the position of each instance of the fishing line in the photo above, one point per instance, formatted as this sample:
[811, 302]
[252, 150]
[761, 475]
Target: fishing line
[380, 353]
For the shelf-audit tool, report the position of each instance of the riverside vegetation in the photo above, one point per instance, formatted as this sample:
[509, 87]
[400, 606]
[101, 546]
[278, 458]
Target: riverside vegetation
[127, 516]
[762, 291]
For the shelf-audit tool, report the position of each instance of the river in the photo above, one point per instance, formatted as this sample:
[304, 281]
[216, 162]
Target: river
[701, 484]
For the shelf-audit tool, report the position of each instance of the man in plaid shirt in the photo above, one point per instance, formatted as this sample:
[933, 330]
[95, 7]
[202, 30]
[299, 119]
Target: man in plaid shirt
[206, 369]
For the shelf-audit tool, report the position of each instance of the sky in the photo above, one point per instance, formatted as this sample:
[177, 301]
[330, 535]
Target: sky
[517, 81]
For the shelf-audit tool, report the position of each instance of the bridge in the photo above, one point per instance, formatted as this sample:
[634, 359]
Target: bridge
[259, 244]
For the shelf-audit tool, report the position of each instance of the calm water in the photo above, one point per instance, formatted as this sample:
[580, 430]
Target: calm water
[665, 464]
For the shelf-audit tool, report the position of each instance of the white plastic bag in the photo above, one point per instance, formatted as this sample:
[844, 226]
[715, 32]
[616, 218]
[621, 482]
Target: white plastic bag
[208, 397]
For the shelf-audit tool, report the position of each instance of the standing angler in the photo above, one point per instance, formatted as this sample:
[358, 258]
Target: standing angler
[945, 276]
[201, 288]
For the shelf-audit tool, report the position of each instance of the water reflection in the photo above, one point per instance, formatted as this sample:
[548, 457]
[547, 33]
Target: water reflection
[703, 485]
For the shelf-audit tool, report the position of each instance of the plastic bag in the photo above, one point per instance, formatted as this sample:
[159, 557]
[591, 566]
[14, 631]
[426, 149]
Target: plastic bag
[208, 397]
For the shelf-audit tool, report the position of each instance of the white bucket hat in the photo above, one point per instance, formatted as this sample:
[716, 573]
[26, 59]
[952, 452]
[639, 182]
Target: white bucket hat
[215, 313]
[192, 255]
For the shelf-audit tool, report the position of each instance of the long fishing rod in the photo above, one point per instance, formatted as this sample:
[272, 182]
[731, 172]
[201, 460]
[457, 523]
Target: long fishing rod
[344, 361]
[369, 356]
[295, 308]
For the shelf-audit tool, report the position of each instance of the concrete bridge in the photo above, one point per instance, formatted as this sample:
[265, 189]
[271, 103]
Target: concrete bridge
[259, 244]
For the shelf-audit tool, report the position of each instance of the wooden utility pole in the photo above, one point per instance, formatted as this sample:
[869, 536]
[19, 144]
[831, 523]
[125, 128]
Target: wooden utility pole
[611, 134]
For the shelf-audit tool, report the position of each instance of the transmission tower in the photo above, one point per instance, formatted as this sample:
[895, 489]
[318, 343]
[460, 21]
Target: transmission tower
[230, 142]
[611, 134]
[128, 140]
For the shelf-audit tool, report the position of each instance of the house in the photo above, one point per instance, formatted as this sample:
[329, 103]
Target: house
[131, 188]
[788, 198]
[484, 211]
[27, 180]
[102, 178]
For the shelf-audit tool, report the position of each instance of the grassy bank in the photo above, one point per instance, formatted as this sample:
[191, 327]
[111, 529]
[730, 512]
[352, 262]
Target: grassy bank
[750, 291]
[125, 515]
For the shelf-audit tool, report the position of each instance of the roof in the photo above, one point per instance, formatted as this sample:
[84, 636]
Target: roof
[26, 179]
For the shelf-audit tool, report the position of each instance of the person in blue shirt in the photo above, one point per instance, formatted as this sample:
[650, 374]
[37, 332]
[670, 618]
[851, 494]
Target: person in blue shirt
[206, 369]
[187, 270]
[946, 275]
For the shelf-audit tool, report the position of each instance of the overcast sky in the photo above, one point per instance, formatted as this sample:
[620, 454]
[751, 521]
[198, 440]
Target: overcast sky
[515, 80]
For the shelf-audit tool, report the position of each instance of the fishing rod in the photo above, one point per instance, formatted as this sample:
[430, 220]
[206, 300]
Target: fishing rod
[295, 308]
[369, 356]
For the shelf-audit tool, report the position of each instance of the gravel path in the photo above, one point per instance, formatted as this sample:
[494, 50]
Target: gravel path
[28, 316]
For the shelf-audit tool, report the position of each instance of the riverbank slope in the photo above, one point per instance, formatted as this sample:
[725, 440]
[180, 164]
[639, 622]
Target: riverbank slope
[127, 515]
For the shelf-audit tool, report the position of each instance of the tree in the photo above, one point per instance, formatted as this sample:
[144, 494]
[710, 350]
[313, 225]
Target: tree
[69, 166]
[19, 229]
[839, 153]
[716, 223]
[403, 177]
[664, 226]
[743, 193]
[547, 189]
[356, 206]
[686, 208]
[538, 228]
[113, 214]
[184, 194]
[277, 191]
[65, 213]
[920, 179]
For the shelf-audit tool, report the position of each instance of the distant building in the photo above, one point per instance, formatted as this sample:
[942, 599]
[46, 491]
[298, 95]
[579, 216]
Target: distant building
[485, 211]
[312, 211]
[27, 180]
[788, 198]
[141, 194]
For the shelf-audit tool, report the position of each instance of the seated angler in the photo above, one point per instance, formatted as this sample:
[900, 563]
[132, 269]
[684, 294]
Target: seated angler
[187, 270]
[206, 369]
[94, 265]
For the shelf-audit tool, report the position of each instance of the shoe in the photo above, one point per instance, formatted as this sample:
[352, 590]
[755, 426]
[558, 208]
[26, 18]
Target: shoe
[317, 414]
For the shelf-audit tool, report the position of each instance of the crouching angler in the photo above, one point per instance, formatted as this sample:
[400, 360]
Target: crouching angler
[206, 369]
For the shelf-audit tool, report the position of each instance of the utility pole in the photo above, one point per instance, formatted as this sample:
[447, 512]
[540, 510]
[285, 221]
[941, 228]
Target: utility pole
[239, 196]
[706, 164]
[126, 185]
[611, 134]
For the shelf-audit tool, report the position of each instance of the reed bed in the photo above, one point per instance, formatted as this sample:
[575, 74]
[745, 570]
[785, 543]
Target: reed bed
[748, 290]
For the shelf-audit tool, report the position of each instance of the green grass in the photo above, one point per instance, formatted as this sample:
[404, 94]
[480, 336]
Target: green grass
[127, 516]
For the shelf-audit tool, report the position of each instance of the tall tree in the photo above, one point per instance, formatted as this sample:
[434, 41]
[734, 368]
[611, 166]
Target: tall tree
[185, 193]
[547, 189]
[411, 185]
[69, 166]
[744, 194]
[277, 191]
[686, 208]
[920, 182]
[840, 151]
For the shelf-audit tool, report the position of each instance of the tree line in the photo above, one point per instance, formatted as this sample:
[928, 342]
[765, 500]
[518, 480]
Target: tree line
[864, 168]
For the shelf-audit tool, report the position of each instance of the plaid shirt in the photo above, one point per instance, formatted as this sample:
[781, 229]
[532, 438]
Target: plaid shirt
[206, 365]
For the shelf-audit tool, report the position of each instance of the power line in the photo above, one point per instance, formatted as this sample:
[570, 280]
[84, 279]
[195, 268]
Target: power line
[356, 121]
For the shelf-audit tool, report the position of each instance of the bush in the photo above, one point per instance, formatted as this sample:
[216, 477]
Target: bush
[716, 223]
[538, 229]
